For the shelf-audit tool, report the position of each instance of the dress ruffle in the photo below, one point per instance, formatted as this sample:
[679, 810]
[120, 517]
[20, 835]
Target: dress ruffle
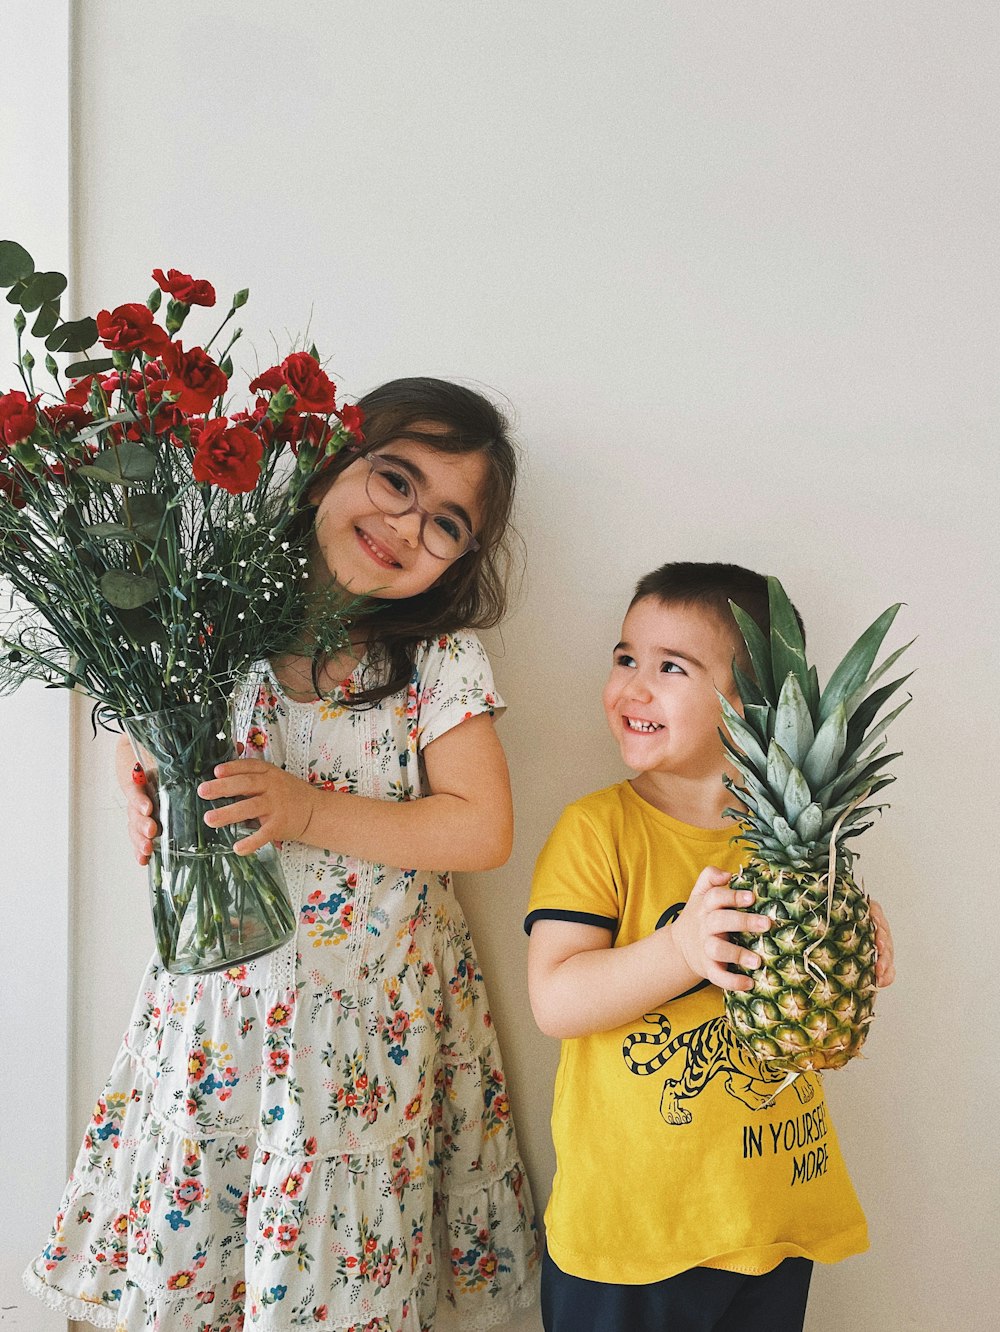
[181, 1215]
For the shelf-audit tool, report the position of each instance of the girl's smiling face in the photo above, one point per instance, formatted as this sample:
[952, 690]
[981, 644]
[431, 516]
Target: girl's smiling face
[660, 699]
[371, 553]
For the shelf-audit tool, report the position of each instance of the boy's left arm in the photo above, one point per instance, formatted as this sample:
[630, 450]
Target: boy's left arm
[885, 968]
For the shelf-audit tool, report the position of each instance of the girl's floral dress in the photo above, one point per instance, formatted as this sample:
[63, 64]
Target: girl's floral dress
[320, 1138]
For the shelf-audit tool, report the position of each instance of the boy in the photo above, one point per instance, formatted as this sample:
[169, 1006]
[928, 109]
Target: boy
[685, 1197]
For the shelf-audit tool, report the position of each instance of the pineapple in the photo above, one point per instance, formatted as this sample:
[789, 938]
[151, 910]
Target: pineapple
[809, 764]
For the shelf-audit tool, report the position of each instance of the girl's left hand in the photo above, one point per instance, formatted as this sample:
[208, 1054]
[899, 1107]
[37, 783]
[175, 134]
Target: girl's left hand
[885, 969]
[282, 803]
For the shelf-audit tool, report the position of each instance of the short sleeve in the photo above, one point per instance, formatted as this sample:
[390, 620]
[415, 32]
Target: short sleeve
[453, 680]
[577, 876]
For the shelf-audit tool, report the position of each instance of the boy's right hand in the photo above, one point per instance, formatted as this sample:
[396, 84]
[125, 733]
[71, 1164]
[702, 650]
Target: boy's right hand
[711, 914]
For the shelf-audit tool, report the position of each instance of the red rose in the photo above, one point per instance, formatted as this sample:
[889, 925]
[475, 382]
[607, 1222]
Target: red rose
[227, 456]
[314, 390]
[18, 417]
[184, 288]
[131, 328]
[194, 377]
[351, 418]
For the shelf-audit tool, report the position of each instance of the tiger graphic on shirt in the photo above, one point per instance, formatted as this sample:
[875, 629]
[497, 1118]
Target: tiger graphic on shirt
[708, 1050]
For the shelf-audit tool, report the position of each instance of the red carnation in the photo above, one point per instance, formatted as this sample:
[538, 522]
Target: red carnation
[67, 417]
[184, 288]
[10, 488]
[269, 382]
[18, 417]
[314, 390]
[150, 399]
[352, 419]
[131, 328]
[227, 456]
[194, 377]
[78, 394]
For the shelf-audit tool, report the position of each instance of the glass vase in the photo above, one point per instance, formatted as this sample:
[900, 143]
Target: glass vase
[211, 907]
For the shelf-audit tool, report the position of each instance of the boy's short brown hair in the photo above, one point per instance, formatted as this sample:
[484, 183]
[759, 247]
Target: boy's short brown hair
[712, 587]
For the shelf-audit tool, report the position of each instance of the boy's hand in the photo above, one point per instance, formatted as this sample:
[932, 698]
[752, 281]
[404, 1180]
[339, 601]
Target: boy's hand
[703, 928]
[282, 803]
[885, 969]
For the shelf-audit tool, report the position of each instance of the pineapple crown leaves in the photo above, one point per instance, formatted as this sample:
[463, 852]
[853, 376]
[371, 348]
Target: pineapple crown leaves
[806, 757]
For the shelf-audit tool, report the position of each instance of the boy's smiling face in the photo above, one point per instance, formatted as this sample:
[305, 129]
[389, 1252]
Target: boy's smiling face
[660, 699]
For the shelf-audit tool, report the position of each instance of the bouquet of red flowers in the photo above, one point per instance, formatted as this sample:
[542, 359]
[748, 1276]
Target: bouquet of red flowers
[152, 548]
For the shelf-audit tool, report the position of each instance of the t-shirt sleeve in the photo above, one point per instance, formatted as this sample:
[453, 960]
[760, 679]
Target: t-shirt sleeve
[576, 877]
[454, 682]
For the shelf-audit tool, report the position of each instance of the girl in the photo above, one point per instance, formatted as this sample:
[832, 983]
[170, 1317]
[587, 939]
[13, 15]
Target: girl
[322, 1137]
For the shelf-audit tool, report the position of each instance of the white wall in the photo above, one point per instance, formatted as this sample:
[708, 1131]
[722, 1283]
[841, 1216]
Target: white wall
[35, 777]
[735, 266]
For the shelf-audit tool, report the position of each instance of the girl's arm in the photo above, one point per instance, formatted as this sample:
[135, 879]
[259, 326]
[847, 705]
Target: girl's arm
[578, 984]
[465, 823]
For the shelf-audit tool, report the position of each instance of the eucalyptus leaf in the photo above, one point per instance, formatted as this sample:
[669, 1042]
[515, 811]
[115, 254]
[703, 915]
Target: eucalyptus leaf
[104, 477]
[145, 515]
[102, 426]
[109, 532]
[127, 591]
[127, 461]
[48, 317]
[16, 263]
[79, 369]
[41, 288]
[75, 336]
[141, 626]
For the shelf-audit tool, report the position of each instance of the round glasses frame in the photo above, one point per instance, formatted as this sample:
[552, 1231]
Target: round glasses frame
[383, 501]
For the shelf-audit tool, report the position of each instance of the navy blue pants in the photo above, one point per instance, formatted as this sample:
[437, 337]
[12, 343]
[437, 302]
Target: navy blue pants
[699, 1300]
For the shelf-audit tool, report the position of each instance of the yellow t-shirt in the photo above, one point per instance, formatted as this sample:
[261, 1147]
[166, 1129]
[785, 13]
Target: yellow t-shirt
[668, 1153]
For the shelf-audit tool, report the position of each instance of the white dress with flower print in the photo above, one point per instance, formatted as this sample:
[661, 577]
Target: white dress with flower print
[320, 1138]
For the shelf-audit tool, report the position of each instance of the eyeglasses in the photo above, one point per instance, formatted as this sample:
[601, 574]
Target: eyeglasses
[445, 536]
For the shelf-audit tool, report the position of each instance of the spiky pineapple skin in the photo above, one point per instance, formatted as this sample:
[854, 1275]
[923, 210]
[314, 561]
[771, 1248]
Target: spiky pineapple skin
[813, 997]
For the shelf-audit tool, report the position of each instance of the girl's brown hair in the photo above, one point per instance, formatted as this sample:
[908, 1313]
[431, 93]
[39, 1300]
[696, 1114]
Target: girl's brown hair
[472, 592]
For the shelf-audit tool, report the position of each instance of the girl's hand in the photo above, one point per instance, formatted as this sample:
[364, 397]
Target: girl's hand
[142, 828]
[885, 968]
[283, 804]
[703, 928]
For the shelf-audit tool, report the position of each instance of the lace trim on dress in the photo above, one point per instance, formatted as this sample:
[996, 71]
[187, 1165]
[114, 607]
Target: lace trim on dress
[67, 1305]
